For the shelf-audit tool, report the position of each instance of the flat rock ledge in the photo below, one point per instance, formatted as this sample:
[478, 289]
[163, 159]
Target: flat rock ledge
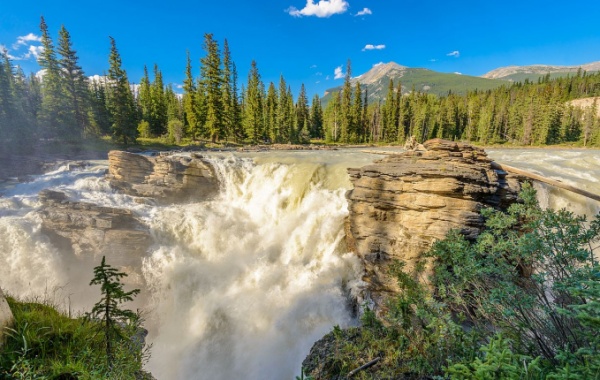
[167, 178]
[88, 230]
[403, 203]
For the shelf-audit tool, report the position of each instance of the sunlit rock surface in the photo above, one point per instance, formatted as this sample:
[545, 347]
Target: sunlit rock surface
[166, 178]
[403, 203]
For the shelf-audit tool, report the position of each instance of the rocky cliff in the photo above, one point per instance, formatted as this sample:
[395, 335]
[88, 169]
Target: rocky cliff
[167, 177]
[88, 230]
[403, 203]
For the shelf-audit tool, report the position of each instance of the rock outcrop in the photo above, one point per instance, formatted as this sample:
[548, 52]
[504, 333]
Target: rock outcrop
[89, 230]
[166, 178]
[6, 318]
[403, 203]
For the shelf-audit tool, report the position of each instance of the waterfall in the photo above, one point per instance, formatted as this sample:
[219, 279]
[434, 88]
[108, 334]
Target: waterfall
[240, 285]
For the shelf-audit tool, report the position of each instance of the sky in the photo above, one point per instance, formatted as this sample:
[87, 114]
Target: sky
[309, 41]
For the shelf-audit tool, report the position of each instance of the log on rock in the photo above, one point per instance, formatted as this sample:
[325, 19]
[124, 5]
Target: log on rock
[549, 181]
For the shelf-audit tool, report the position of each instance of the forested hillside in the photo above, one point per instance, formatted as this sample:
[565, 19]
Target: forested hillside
[64, 104]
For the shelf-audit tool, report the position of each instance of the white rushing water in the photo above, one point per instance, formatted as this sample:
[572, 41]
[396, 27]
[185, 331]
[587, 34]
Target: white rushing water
[241, 285]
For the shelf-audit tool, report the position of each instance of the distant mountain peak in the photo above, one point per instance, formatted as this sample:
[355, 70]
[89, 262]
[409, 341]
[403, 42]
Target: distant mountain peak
[379, 71]
[507, 71]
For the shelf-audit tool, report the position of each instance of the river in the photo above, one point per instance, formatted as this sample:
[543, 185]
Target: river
[242, 285]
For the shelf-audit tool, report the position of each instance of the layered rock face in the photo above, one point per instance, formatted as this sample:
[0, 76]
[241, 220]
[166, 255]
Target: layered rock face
[6, 318]
[166, 178]
[89, 230]
[403, 203]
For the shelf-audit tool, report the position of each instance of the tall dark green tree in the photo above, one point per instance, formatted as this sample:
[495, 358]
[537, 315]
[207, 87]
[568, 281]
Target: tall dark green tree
[271, 107]
[302, 117]
[75, 87]
[190, 101]
[121, 104]
[212, 78]
[346, 124]
[158, 111]
[316, 118]
[253, 106]
[52, 113]
[229, 97]
[144, 97]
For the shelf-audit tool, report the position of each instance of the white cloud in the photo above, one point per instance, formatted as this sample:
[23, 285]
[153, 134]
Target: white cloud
[377, 64]
[457, 73]
[364, 12]
[337, 73]
[324, 8]
[313, 66]
[373, 47]
[23, 40]
[178, 86]
[454, 53]
[433, 60]
[327, 77]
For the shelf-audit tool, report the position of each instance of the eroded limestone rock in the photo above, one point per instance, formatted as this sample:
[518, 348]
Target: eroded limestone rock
[90, 230]
[403, 203]
[167, 178]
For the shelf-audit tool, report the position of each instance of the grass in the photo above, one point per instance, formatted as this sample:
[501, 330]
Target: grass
[46, 344]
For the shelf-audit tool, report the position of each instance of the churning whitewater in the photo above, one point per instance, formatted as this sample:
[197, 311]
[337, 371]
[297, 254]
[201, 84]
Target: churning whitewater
[240, 285]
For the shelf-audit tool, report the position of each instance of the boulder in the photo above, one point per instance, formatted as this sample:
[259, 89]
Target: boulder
[6, 318]
[90, 230]
[403, 203]
[167, 177]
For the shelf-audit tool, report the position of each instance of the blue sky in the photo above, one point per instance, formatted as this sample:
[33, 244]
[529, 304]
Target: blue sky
[307, 40]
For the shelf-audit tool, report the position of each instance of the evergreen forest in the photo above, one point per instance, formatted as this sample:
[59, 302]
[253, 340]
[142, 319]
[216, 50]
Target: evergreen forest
[64, 105]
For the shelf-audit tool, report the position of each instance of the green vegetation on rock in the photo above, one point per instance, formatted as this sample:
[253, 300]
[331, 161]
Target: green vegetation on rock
[522, 301]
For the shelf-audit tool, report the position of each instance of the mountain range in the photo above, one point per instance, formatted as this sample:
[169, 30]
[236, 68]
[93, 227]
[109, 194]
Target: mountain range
[376, 80]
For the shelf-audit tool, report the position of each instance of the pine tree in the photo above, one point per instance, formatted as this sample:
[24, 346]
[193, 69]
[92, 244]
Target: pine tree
[75, 86]
[356, 112]
[346, 106]
[236, 112]
[302, 117]
[253, 106]
[190, 107]
[284, 117]
[120, 99]
[52, 110]
[316, 118]
[228, 94]
[158, 110]
[144, 98]
[212, 78]
[271, 106]
[108, 310]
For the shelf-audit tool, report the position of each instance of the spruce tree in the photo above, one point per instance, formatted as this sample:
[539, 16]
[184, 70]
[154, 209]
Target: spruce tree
[271, 106]
[120, 99]
[302, 117]
[212, 78]
[253, 106]
[144, 98]
[346, 120]
[51, 115]
[75, 86]
[158, 110]
[228, 92]
[108, 310]
[316, 118]
[190, 101]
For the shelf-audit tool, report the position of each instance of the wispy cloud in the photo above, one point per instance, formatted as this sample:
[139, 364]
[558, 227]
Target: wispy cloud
[327, 77]
[313, 66]
[322, 9]
[338, 73]
[377, 64]
[318, 73]
[373, 47]
[454, 53]
[24, 40]
[364, 12]
[433, 60]
[23, 49]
